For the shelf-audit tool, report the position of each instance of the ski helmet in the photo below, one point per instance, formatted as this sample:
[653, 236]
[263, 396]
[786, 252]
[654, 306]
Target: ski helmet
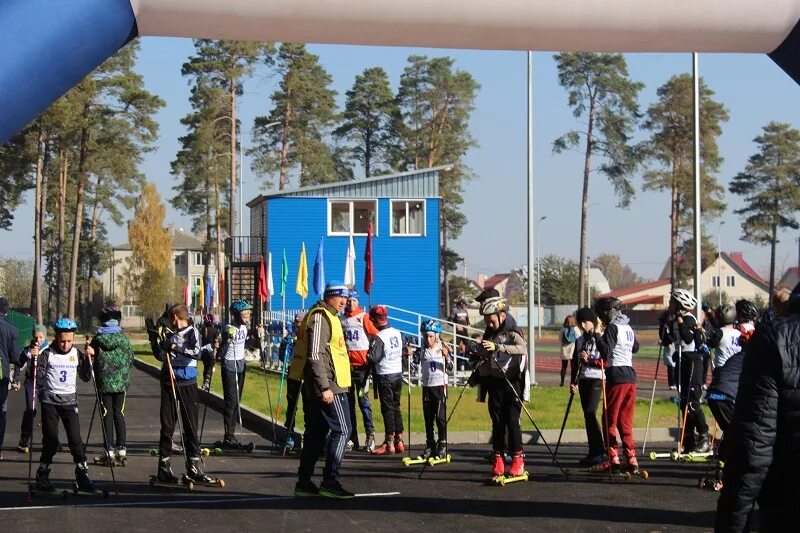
[240, 305]
[110, 313]
[684, 298]
[608, 308]
[586, 314]
[746, 310]
[65, 324]
[492, 306]
[379, 315]
[726, 314]
[431, 326]
[352, 295]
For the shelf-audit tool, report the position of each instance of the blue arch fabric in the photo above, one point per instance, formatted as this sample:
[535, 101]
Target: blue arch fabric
[47, 46]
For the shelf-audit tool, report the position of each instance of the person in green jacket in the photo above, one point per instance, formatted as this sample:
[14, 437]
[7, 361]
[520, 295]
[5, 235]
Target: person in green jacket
[112, 367]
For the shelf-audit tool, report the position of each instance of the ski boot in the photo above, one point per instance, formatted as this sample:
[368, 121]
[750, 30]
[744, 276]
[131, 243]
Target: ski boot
[517, 464]
[369, 444]
[399, 445]
[387, 448]
[441, 454]
[83, 484]
[426, 454]
[176, 449]
[498, 464]
[196, 476]
[702, 445]
[122, 456]
[517, 471]
[632, 468]
[106, 458]
[350, 446]
[43, 483]
[22, 447]
[165, 474]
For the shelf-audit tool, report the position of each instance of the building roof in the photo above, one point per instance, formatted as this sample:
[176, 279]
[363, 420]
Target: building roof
[494, 280]
[422, 183]
[180, 241]
[619, 293]
[737, 258]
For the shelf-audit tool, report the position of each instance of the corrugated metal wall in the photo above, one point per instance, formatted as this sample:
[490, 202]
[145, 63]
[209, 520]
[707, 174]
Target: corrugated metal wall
[406, 268]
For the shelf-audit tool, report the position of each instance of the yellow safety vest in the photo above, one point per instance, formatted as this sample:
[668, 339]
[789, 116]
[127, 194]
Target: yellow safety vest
[341, 362]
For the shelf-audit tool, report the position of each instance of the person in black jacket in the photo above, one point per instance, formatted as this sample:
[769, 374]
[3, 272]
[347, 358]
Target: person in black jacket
[9, 353]
[763, 455]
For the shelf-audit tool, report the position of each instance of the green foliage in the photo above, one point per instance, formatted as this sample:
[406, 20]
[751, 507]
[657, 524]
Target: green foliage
[559, 280]
[617, 274]
[17, 157]
[770, 186]
[685, 258]
[461, 287]
[367, 121]
[304, 109]
[15, 281]
[713, 297]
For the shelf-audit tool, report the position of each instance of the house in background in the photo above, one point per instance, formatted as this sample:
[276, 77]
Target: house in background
[404, 210]
[790, 278]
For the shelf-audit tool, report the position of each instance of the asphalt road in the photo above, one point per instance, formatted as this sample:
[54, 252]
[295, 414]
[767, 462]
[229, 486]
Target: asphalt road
[258, 491]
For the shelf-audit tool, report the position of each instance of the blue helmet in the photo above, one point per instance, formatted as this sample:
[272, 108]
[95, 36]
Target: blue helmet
[65, 324]
[240, 305]
[353, 294]
[431, 326]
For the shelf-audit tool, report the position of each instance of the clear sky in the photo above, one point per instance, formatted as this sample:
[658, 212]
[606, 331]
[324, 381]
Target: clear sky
[753, 89]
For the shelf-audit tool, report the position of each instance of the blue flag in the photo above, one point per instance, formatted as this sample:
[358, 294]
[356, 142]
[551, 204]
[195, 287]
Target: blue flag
[209, 292]
[319, 271]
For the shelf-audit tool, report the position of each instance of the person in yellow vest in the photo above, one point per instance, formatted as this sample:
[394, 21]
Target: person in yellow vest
[321, 360]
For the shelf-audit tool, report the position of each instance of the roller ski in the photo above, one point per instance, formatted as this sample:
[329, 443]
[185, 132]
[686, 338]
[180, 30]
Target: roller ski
[227, 447]
[708, 483]
[516, 473]
[165, 478]
[176, 449]
[441, 457]
[84, 485]
[43, 488]
[118, 458]
[421, 459]
[198, 478]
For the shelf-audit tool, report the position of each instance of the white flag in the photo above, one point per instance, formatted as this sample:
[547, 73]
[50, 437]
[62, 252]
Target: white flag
[270, 287]
[350, 265]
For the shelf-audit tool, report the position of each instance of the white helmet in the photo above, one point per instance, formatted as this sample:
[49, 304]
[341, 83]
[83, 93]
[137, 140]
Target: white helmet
[684, 298]
[493, 306]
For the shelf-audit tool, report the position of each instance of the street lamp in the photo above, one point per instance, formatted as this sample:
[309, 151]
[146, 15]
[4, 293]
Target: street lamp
[719, 260]
[538, 276]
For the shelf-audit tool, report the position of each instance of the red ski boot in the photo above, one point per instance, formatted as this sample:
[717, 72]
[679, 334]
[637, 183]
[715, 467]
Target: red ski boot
[517, 464]
[387, 448]
[399, 445]
[498, 464]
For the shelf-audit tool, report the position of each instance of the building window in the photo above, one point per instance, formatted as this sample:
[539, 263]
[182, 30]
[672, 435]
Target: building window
[715, 281]
[408, 217]
[346, 217]
[180, 259]
[730, 281]
[198, 259]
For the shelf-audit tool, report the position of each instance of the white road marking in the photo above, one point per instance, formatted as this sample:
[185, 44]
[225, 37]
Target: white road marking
[183, 501]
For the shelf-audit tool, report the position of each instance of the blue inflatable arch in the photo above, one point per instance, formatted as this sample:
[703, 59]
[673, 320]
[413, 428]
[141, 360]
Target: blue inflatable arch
[49, 45]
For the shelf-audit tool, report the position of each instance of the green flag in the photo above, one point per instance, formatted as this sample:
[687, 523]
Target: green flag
[284, 274]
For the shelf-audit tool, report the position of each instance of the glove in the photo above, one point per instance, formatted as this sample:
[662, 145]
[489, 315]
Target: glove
[490, 346]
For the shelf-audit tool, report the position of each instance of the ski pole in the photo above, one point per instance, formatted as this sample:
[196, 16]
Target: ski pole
[98, 405]
[91, 422]
[33, 426]
[652, 399]
[569, 406]
[528, 414]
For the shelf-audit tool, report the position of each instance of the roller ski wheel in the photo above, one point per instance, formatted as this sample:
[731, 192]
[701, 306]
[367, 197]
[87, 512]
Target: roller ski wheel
[103, 461]
[217, 482]
[228, 449]
[710, 484]
[49, 494]
[77, 491]
[627, 475]
[152, 452]
[505, 480]
[433, 461]
[24, 449]
[180, 484]
[697, 457]
[412, 461]
[675, 455]
[205, 452]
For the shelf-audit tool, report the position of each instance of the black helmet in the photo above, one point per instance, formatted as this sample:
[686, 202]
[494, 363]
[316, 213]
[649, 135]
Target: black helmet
[746, 310]
[608, 308]
[726, 314]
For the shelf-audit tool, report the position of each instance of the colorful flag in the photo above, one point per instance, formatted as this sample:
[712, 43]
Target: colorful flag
[201, 295]
[187, 296]
[284, 274]
[215, 292]
[263, 293]
[350, 265]
[209, 292]
[319, 271]
[270, 287]
[301, 285]
[368, 275]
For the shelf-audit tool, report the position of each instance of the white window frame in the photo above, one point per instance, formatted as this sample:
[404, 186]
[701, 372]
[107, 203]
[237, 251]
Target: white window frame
[730, 281]
[408, 201]
[351, 201]
[715, 282]
[197, 259]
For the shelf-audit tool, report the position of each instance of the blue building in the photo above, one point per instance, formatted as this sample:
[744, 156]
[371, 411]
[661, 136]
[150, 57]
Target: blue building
[404, 211]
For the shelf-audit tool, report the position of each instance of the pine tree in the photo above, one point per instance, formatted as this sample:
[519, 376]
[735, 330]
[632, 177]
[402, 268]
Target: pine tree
[671, 146]
[435, 102]
[770, 186]
[367, 120]
[147, 276]
[292, 135]
[600, 89]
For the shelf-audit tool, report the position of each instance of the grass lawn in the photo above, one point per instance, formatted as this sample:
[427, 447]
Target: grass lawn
[547, 404]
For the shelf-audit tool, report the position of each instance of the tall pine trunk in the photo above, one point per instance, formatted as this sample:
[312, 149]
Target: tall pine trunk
[673, 232]
[92, 247]
[582, 274]
[283, 178]
[62, 227]
[232, 210]
[36, 294]
[79, 197]
[42, 206]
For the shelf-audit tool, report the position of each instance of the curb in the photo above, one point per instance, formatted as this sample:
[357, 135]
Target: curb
[264, 425]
